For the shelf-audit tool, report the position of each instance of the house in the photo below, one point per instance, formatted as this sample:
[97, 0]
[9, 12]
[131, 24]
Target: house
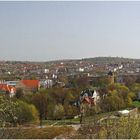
[11, 83]
[95, 96]
[32, 85]
[46, 83]
[10, 90]
[90, 97]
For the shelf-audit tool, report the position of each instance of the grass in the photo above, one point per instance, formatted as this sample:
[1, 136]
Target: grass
[136, 103]
[49, 132]
[61, 122]
[97, 117]
[35, 133]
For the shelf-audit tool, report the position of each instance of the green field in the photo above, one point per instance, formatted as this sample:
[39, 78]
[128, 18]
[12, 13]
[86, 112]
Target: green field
[136, 103]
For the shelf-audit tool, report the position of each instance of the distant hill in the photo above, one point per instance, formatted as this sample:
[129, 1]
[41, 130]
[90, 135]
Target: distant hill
[98, 60]
[112, 60]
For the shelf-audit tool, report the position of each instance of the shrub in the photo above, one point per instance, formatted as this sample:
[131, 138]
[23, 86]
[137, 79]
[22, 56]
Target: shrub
[58, 112]
[26, 112]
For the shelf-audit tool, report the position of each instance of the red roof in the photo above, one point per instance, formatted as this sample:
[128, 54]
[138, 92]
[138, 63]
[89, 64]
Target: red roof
[31, 83]
[6, 88]
[88, 100]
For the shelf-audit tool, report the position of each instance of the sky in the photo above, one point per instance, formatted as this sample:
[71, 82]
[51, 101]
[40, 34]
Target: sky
[49, 30]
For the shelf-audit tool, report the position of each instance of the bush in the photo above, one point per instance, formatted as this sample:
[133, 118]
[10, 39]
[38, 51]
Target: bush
[120, 128]
[27, 113]
[40, 102]
[16, 111]
[58, 112]
[8, 111]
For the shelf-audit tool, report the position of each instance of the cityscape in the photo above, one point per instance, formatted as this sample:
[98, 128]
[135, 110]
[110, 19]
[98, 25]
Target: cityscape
[69, 70]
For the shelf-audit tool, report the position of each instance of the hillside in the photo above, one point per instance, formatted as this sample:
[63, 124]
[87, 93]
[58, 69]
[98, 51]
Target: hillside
[112, 60]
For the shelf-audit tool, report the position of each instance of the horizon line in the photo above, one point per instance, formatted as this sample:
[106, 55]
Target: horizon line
[68, 59]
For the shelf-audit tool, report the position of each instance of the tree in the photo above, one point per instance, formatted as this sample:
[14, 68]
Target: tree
[26, 112]
[40, 102]
[129, 80]
[50, 110]
[118, 128]
[58, 112]
[123, 92]
[135, 88]
[69, 111]
[83, 82]
[16, 111]
[102, 82]
[80, 82]
[118, 97]
[8, 111]
[12, 112]
[57, 95]
[19, 93]
[8, 116]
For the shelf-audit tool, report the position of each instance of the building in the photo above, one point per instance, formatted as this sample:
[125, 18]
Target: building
[6, 89]
[32, 85]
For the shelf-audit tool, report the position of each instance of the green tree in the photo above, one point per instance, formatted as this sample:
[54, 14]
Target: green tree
[26, 112]
[118, 128]
[83, 82]
[16, 111]
[50, 110]
[8, 111]
[40, 101]
[112, 102]
[19, 93]
[122, 92]
[69, 111]
[58, 112]
[135, 88]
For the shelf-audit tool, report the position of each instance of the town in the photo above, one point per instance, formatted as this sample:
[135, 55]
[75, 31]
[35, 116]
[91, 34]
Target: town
[69, 69]
[70, 92]
[60, 73]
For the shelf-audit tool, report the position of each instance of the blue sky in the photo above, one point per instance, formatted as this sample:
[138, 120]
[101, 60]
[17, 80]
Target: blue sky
[43, 31]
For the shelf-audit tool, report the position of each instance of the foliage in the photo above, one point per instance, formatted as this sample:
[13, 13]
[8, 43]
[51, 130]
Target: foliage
[118, 128]
[111, 103]
[57, 95]
[15, 111]
[94, 110]
[135, 88]
[70, 111]
[102, 82]
[19, 93]
[79, 82]
[26, 113]
[8, 111]
[63, 97]
[82, 82]
[46, 100]
[58, 112]
[27, 98]
[136, 104]
[40, 102]
[50, 110]
[129, 80]
[118, 97]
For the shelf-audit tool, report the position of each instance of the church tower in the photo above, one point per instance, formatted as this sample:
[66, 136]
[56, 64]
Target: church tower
[111, 77]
